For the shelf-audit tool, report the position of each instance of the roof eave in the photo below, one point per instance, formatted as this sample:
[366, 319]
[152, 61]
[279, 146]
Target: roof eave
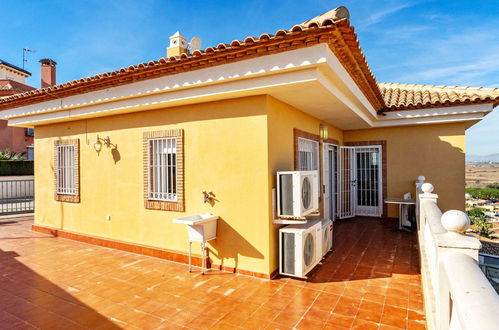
[339, 35]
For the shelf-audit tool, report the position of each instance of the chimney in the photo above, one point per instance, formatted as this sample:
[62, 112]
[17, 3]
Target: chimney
[178, 45]
[48, 72]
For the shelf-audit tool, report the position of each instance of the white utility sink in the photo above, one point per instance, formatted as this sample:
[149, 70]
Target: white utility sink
[200, 228]
[196, 219]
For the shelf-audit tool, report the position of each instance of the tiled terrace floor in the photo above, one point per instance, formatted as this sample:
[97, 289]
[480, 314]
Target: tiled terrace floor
[370, 281]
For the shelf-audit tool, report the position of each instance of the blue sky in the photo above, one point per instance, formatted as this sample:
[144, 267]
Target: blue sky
[427, 42]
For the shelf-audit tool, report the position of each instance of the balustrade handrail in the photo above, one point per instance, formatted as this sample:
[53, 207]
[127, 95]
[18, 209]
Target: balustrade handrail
[475, 302]
[457, 293]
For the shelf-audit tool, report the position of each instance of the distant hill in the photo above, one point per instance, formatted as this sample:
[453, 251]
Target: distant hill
[482, 158]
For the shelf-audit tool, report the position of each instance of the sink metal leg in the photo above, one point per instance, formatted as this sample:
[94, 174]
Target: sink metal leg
[202, 256]
[190, 248]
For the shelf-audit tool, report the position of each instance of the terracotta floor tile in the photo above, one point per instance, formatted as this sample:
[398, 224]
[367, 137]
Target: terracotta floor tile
[202, 322]
[326, 301]
[340, 320]
[388, 327]
[221, 325]
[416, 325]
[370, 311]
[364, 325]
[347, 306]
[370, 276]
[415, 316]
[275, 326]
[310, 324]
[317, 314]
[288, 319]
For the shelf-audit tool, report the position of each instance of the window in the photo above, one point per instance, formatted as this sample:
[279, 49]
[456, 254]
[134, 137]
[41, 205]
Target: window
[65, 170]
[31, 152]
[163, 170]
[66, 167]
[308, 155]
[30, 132]
[162, 180]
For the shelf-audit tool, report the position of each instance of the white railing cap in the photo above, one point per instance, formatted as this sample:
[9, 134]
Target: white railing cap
[455, 221]
[449, 240]
[427, 188]
[475, 300]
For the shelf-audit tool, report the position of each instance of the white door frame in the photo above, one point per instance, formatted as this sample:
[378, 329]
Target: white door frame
[351, 208]
[347, 178]
[328, 181]
[370, 207]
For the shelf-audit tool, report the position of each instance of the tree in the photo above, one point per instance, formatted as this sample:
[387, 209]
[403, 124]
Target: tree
[480, 221]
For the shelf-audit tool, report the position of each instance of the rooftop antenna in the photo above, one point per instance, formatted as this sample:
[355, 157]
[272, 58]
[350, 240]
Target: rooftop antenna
[25, 56]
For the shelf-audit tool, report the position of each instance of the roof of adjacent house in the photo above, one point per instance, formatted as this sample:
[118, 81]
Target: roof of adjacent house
[490, 248]
[332, 28]
[12, 66]
[9, 87]
[411, 96]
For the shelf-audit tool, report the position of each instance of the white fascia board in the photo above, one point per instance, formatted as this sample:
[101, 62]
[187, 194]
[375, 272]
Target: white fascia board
[238, 88]
[443, 111]
[261, 66]
[335, 65]
[430, 120]
[343, 98]
[433, 115]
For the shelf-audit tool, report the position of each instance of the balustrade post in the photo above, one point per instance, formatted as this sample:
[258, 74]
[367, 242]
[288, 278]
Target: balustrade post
[453, 241]
[426, 195]
[419, 182]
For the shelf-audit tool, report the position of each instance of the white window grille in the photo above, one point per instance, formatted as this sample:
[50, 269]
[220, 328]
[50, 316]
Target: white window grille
[162, 177]
[65, 170]
[308, 155]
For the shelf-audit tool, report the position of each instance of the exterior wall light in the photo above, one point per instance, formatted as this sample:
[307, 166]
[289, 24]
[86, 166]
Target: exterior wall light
[98, 145]
[323, 132]
[100, 141]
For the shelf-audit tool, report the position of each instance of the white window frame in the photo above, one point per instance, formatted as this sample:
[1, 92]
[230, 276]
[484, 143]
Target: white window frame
[308, 155]
[162, 172]
[66, 169]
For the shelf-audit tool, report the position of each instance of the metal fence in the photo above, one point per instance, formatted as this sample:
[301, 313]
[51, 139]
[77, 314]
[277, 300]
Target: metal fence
[17, 196]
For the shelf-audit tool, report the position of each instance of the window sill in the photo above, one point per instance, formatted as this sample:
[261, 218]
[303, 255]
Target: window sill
[164, 205]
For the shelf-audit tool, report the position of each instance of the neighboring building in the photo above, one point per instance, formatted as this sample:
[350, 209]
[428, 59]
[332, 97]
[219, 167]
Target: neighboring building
[489, 262]
[225, 120]
[12, 81]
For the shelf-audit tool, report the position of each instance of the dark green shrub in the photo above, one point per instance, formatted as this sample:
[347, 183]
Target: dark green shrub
[16, 167]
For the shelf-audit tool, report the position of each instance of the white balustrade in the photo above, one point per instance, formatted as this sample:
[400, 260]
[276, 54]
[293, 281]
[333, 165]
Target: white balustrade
[457, 293]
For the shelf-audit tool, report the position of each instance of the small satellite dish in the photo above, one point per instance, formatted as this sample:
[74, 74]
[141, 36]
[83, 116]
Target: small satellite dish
[195, 44]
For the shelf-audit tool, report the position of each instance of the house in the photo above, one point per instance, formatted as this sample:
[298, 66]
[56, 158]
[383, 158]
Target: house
[121, 154]
[12, 81]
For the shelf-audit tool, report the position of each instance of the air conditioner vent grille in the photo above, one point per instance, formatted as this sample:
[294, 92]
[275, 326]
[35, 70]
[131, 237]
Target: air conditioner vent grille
[288, 246]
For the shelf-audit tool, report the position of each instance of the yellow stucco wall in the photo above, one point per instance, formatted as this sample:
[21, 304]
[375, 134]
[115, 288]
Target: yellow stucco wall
[225, 148]
[435, 151]
[233, 148]
[282, 119]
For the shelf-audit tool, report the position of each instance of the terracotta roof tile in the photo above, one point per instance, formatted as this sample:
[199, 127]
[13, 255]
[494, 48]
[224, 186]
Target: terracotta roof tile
[12, 85]
[412, 96]
[332, 28]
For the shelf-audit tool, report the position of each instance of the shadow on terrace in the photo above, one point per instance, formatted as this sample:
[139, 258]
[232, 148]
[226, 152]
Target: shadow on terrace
[371, 279]
[28, 299]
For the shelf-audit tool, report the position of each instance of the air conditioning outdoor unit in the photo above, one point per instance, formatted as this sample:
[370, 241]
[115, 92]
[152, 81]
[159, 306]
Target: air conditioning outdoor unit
[300, 248]
[297, 193]
[327, 236]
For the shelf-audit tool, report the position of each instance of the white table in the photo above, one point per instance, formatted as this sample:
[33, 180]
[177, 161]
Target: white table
[400, 202]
